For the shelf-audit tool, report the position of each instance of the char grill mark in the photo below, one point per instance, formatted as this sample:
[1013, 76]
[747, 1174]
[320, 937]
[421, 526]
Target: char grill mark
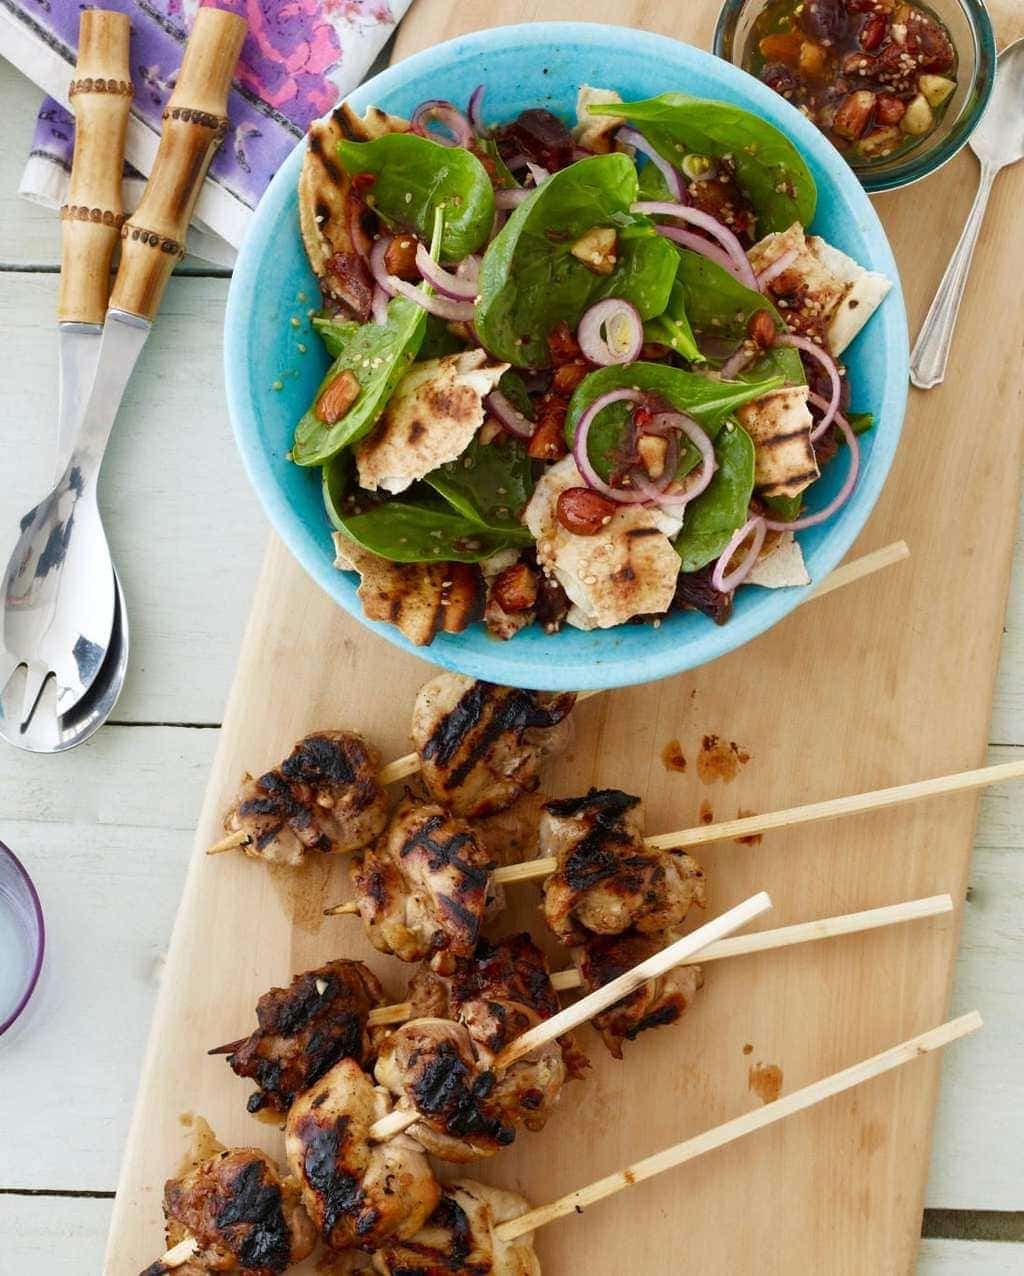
[339, 1191]
[444, 854]
[446, 1088]
[608, 805]
[254, 1207]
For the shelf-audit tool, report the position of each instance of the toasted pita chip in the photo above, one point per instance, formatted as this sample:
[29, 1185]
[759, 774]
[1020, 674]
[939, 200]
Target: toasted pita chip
[594, 132]
[430, 419]
[780, 426]
[372, 124]
[781, 567]
[420, 599]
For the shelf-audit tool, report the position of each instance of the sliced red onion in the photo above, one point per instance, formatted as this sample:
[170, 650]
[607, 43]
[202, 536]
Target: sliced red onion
[581, 152]
[778, 267]
[539, 174]
[509, 415]
[500, 218]
[698, 244]
[381, 275]
[379, 305]
[437, 109]
[468, 268]
[815, 351]
[673, 178]
[474, 111]
[675, 501]
[579, 448]
[518, 160]
[722, 579]
[735, 364]
[443, 281]
[841, 497]
[622, 337]
[443, 307]
[511, 198]
[704, 221]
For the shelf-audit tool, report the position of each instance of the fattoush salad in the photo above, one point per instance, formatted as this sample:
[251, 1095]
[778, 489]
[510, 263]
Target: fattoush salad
[579, 375]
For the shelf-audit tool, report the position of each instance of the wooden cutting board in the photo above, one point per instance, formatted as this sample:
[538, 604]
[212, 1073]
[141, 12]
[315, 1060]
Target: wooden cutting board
[886, 682]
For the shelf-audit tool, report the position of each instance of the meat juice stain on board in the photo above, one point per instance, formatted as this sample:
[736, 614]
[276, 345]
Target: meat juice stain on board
[720, 760]
[765, 1080]
[673, 758]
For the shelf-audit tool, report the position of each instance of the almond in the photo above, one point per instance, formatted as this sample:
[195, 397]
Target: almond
[761, 329]
[337, 397]
[583, 511]
[852, 116]
[400, 258]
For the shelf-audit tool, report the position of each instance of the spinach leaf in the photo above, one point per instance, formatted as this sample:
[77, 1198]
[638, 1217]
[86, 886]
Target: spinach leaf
[334, 333]
[415, 177]
[514, 389]
[707, 400]
[672, 327]
[860, 422]
[530, 281]
[785, 507]
[768, 166]
[378, 355]
[651, 183]
[781, 361]
[717, 305]
[489, 484]
[439, 340]
[721, 508]
[416, 527]
[487, 151]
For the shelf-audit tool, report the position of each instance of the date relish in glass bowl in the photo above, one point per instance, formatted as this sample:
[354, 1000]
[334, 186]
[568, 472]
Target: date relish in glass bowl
[897, 87]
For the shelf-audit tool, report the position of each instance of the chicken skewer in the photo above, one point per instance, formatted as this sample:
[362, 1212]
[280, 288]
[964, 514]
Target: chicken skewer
[730, 1131]
[470, 759]
[549, 1030]
[770, 821]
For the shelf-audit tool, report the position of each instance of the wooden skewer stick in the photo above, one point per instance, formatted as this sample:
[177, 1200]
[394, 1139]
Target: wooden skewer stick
[856, 570]
[178, 1256]
[600, 999]
[397, 1012]
[720, 1135]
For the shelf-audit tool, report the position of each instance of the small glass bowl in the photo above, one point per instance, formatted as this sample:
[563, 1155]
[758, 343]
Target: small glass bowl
[971, 31]
[22, 938]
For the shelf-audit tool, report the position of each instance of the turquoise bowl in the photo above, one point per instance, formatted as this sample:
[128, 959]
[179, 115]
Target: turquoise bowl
[542, 64]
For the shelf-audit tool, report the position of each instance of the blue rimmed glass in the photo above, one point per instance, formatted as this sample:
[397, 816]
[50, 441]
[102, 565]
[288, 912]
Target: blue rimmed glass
[971, 31]
[22, 938]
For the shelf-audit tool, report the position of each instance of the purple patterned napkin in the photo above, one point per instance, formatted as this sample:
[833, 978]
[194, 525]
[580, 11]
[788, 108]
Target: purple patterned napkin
[299, 58]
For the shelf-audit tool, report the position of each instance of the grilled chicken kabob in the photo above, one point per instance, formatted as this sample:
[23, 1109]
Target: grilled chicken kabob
[480, 748]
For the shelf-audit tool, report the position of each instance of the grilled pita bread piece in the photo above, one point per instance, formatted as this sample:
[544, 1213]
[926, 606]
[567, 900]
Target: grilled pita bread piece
[780, 425]
[331, 213]
[782, 566]
[594, 132]
[417, 598]
[629, 568]
[431, 418]
[823, 294]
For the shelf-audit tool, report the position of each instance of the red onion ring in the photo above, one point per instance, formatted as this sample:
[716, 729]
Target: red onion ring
[443, 307]
[579, 448]
[468, 268]
[778, 267]
[596, 346]
[474, 112]
[673, 178]
[443, 281]
[539, 174]
[378, 269]
[379, 305]
[510, 198]
[676, 501]
[705, 222]
[841, 497]
[698, 244]
[518, 160]
[509, 415]
[445, 113]
[736, 362]
[726, 583]
[829, 364]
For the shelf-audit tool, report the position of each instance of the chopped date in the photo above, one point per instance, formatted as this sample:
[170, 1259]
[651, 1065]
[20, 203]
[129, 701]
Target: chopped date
[540, 136]
[552, 603]
[515, 589]
[548, 440]
[695, 592]
[824, 20]
[562, 345]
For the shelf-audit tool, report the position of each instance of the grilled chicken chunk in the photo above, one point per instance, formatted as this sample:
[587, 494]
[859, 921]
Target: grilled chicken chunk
[658, 1002]
[305, 1029]
[823, 294]
[494, 993]
[431, 419]
[432, 1065]
[243, 1215]
[481, 746]
[419, 599]
[459, 1237]
[323, 797]
[628, 568]
[357, 1192]
[423, 890]
[607, 879]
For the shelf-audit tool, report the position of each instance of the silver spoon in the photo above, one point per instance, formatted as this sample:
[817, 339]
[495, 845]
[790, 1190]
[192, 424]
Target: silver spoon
[997, 141]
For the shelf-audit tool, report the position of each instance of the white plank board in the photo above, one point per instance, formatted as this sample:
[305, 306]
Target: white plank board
[44, 1236]
[184, 526]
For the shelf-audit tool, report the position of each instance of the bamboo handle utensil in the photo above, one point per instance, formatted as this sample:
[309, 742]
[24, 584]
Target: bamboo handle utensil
[91, 220]
[195, 122]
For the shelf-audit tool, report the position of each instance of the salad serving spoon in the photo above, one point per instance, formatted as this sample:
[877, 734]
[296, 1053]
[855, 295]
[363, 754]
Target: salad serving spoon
[998, 141]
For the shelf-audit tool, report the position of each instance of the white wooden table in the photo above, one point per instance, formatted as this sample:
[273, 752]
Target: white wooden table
[106, 830]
